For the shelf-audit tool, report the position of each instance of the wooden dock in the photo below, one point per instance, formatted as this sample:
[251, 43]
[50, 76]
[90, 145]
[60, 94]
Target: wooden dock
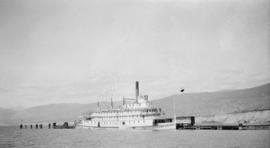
[223, 127]
[188, 123]
[48, 125]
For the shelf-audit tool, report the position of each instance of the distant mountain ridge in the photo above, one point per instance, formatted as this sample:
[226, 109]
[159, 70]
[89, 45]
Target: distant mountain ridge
[196, 104]
[220, 102]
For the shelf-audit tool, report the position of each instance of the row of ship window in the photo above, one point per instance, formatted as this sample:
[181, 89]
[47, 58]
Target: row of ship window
[124, 113]
[145, 110]
[128, 122]
[107, 116]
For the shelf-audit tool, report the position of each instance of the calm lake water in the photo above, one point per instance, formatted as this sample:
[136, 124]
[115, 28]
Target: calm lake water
[104, 138]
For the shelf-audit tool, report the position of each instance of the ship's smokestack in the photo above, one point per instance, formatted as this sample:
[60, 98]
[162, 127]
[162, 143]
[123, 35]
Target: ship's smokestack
[137, 90]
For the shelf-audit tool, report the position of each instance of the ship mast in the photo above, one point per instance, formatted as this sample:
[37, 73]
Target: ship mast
[174, 114]
[111, 103]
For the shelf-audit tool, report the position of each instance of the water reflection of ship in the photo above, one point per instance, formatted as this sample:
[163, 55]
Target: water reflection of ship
[140, 113]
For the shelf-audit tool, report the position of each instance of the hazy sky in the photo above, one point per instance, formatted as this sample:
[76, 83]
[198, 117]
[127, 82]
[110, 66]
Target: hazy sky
[80, 51]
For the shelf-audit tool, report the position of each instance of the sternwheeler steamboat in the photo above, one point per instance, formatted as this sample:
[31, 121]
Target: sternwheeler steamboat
[140, 114]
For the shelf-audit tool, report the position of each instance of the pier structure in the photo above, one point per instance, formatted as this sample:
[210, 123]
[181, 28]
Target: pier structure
[188, 122]
[48, 125]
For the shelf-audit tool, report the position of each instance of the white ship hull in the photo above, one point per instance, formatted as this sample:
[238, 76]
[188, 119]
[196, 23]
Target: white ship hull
[148, 125]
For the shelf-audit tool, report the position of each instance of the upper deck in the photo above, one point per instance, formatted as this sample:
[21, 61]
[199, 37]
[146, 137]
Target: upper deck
[142, 107]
